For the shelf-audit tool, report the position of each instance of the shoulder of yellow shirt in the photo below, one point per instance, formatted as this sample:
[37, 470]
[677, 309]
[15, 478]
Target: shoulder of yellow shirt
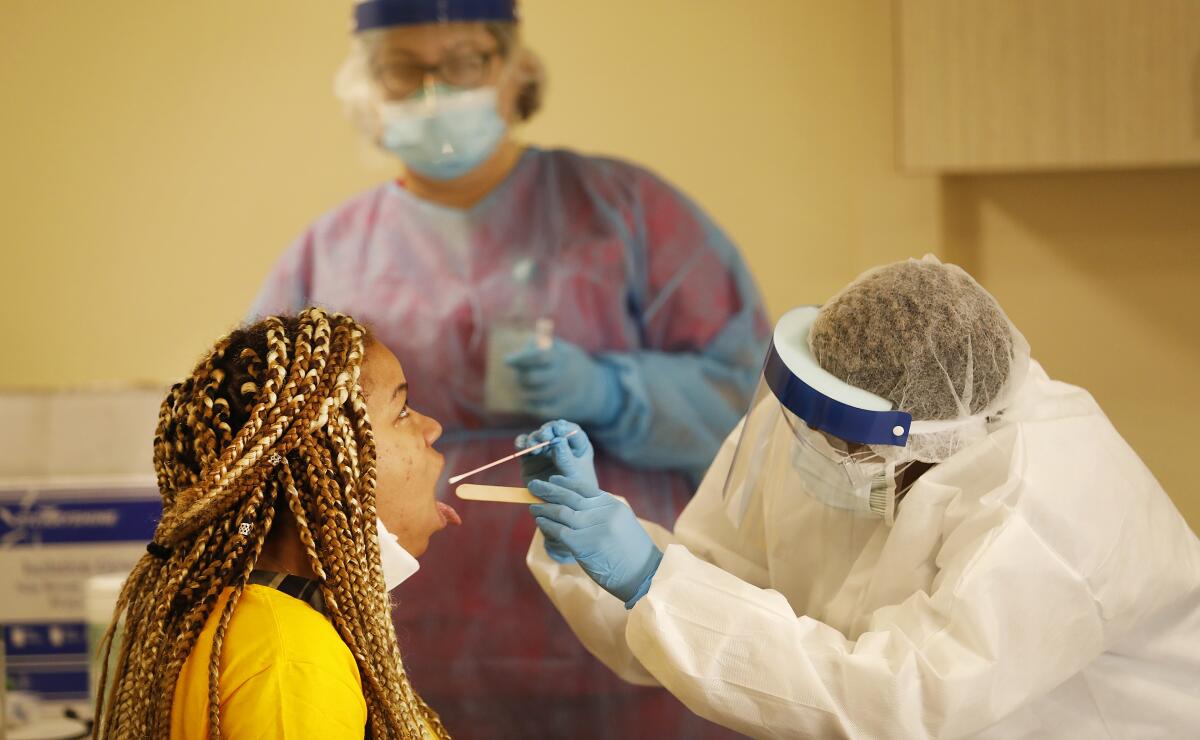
[284, 669]
[270, 628]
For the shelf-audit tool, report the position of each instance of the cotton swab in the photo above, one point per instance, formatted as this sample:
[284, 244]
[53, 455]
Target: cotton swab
[513, 456]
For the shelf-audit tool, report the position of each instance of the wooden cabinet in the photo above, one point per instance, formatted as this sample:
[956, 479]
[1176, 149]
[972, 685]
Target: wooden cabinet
[989, 85]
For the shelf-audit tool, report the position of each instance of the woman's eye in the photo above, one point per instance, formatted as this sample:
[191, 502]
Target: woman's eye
[404, 412]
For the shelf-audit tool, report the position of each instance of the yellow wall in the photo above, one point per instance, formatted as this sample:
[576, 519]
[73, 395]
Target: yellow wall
[159, 155]
[1101, 271]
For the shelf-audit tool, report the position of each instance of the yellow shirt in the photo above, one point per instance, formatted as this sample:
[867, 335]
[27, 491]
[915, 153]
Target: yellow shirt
[284, 673]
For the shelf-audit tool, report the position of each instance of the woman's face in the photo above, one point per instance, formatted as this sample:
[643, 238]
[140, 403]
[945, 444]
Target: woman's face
[407, 466]
[465, 55]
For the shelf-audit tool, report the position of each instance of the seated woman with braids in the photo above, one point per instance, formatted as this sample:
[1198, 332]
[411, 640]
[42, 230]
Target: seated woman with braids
[261, 609]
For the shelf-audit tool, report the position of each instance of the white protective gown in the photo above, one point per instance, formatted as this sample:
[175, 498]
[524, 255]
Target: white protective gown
[1038, 584]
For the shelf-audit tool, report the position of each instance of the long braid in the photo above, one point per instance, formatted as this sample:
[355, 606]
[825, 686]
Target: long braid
[261, 528]
[273, 417]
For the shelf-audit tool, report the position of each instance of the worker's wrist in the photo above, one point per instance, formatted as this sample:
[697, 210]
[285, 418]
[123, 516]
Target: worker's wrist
[652, 568]
[611, 396]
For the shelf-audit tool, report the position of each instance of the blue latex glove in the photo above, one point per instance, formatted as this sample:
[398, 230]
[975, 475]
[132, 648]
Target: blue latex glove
[601, 532]
[566, 382]
[572, 457]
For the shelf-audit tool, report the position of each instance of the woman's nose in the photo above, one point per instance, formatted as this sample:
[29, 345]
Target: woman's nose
[433, 430]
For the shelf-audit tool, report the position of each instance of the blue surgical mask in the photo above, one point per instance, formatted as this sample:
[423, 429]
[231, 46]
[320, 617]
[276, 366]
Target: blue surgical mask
[445, 133]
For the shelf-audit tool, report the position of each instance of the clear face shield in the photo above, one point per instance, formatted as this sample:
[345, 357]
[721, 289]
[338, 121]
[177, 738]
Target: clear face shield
[809, 435]
[441, 120]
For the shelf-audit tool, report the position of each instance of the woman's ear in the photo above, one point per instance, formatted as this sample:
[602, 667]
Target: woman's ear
[521, 93]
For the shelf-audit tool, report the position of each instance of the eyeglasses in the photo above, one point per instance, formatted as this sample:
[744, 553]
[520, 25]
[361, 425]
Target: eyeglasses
[466, 69]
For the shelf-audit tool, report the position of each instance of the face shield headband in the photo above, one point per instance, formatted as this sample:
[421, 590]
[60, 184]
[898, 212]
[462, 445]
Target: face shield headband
[385, 13]
[802, 428]
[821, 400]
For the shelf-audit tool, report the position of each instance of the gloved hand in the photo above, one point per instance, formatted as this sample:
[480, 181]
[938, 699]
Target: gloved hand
[601, 532]
[566, 382]
[572, 457]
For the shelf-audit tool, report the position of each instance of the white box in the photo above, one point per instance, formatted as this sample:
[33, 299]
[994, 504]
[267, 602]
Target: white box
[78, 498]
[78, 432]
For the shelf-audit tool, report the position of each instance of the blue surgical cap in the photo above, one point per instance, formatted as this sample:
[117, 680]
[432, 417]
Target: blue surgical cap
[383, 13]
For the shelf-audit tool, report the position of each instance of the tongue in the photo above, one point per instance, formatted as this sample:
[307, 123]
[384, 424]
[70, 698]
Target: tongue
[449, 515]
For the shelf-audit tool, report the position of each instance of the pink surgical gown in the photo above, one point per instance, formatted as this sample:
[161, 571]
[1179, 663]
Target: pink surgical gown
[631, 271]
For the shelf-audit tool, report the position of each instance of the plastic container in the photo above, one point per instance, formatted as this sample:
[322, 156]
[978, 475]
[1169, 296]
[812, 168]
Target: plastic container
[99, 600]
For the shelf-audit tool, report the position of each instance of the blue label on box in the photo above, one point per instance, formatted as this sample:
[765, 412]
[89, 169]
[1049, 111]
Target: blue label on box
[53, 522]
[37, 640]
[56, 685]
[49, 659]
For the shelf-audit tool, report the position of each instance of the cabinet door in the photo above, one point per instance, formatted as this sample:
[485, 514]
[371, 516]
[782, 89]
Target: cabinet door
[1039, 84]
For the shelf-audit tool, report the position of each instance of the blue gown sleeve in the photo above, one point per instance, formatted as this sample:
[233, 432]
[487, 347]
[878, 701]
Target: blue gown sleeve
[704, 335]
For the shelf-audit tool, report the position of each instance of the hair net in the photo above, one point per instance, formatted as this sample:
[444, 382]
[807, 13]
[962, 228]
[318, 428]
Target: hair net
[361, 97]
[931, 340]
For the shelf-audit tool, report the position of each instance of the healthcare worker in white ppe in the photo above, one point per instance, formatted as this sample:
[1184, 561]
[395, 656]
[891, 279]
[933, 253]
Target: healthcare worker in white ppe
[914, 533]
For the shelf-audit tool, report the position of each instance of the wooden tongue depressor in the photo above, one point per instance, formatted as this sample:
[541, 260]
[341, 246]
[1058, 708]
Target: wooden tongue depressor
[499, 494]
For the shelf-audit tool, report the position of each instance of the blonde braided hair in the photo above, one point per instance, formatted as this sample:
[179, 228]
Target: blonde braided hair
[274, 417]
